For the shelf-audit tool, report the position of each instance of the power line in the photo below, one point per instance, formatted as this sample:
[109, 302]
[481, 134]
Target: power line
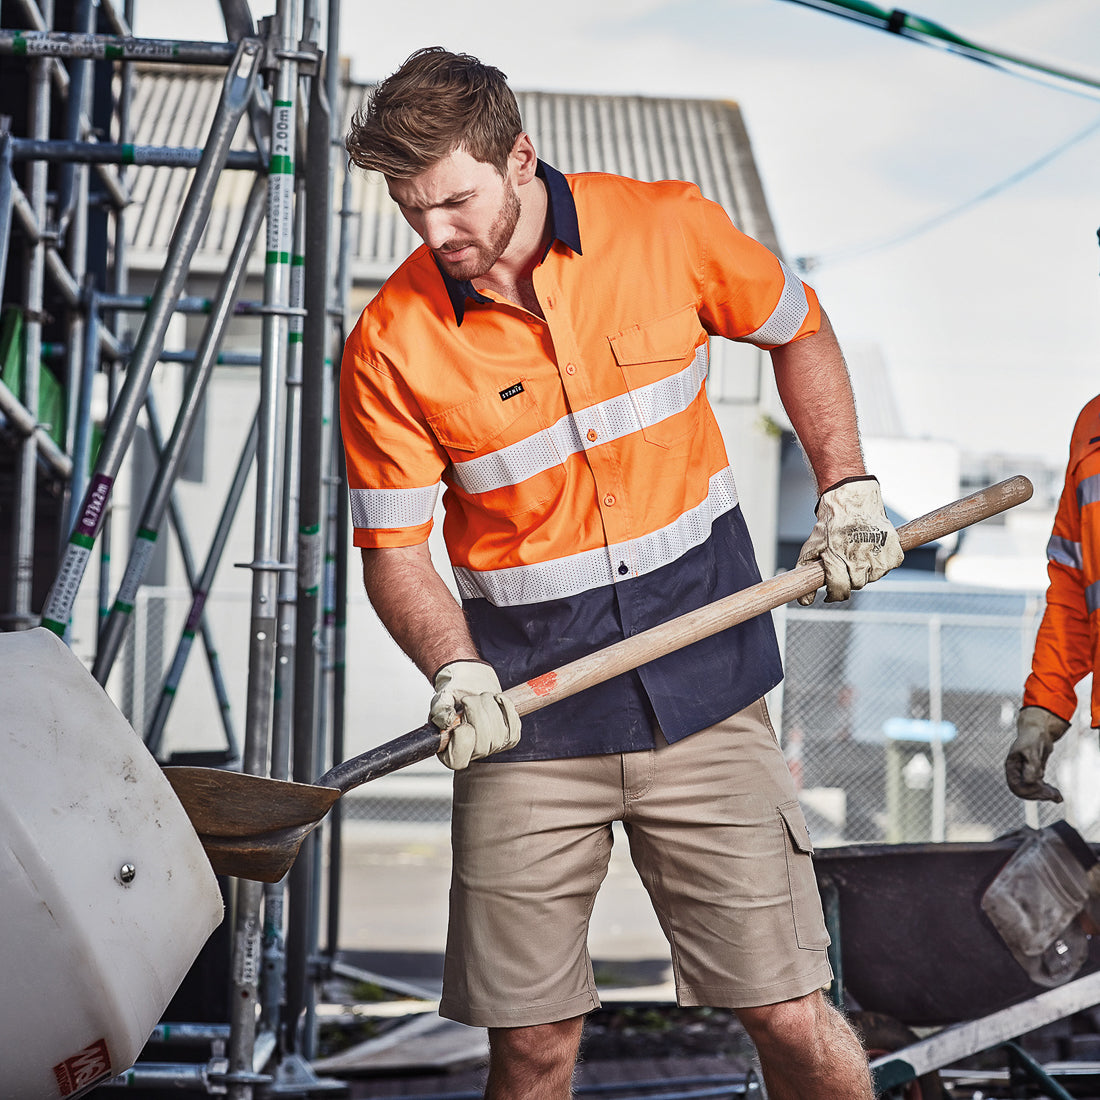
[934, 222]
[928, 33]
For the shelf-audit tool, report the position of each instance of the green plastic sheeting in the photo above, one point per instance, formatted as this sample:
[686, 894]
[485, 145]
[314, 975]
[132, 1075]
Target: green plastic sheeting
[51, 394]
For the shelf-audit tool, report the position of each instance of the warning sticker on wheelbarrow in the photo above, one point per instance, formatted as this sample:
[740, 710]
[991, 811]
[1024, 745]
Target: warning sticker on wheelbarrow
[83, 1070]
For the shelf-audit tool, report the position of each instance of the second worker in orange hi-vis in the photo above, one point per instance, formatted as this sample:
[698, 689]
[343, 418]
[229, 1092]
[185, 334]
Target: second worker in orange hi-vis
[1068, 642]
[544, 356]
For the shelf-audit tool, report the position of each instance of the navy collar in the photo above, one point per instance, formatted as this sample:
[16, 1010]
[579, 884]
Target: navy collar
[563, 227]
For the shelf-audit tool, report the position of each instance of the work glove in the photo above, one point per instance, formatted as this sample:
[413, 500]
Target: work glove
[1036, 731]
[853, 538]
[469, 703]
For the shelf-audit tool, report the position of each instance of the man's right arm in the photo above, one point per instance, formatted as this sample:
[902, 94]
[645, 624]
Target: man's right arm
[416, 606]
[426, 621]
[1063, 652]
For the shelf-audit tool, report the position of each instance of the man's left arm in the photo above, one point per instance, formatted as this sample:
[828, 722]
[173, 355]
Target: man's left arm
[852, 537]
[813, 383]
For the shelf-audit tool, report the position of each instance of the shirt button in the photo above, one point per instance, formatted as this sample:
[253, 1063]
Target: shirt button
[593, 435]
[570, 368]
[609, 500]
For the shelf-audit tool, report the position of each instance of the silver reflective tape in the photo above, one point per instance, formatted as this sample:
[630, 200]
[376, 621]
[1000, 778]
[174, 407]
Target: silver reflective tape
[515, 463]
[1088, 490]
[385, 508]
[529, 584]
[608, 420]
[1064, 552]
[1092, 596]
[569, 576]
[668, 396]
[787, 317]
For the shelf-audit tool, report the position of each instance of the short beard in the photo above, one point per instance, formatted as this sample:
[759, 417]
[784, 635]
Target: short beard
[500, 237]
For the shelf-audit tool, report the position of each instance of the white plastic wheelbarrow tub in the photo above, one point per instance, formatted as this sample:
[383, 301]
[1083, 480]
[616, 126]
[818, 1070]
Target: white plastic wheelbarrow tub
[106, 895]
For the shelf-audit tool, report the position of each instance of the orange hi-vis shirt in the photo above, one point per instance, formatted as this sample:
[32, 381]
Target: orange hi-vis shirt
[1066, 647]
[588, 493]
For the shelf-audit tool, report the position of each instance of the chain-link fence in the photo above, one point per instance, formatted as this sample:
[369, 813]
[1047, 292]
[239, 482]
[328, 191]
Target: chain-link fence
[895, 713]
[898, 707]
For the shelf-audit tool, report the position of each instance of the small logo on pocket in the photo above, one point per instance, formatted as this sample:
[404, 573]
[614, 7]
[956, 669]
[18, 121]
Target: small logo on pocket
[511, 391]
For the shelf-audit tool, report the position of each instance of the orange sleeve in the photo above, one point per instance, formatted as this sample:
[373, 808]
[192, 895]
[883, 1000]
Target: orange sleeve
[748, 292]
[1064, 645]
[393, 460]
[1061, 657]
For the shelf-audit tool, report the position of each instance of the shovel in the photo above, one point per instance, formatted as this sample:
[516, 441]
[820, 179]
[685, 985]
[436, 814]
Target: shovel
[252, 826]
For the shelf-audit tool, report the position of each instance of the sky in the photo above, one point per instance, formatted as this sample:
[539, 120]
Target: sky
[988, 319]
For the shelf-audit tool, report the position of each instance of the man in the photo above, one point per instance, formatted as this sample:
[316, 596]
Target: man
[1066, 646]
[544, 355]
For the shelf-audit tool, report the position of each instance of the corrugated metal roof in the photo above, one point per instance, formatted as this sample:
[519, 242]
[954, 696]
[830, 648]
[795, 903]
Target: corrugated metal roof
[173, 107]
[649, 139]
[704, 141]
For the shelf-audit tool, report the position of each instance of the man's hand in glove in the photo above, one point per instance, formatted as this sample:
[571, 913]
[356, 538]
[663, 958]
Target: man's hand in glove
[853, 538]
[468, 702]
[1036, 731]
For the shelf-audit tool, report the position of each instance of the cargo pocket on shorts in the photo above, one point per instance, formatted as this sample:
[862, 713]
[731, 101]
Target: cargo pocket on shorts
[809, 922]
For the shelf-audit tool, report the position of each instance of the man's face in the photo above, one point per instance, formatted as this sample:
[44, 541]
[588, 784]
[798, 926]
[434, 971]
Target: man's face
[463, 210]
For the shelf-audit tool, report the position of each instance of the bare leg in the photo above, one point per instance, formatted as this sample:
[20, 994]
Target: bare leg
[808, 1051]
[533, 1063]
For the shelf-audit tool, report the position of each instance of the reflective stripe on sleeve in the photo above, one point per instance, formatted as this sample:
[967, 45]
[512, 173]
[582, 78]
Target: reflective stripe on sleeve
[610, 420]
[392, 508]
[1088, 490]
[1092, 596]
[787, 317]
[568, 576]
[1064, 552]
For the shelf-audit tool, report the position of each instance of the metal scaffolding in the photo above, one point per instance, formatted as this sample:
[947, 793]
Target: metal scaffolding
[76, 394]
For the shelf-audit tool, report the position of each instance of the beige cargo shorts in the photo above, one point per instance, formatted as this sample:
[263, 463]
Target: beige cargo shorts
[716, 834]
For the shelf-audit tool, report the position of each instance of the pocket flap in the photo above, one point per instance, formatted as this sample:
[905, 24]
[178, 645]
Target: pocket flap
[795, 820]
[476, 423]
[674, 336]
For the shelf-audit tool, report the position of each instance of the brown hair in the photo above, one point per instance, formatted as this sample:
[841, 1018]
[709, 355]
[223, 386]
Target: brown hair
[435, 103]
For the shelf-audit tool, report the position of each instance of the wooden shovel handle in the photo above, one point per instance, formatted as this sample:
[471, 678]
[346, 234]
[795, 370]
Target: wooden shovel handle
[741, 606]
[595, 668]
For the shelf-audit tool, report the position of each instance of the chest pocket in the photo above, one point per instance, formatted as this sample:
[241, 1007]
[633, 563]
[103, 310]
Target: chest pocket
[500, 451]
[663, 372]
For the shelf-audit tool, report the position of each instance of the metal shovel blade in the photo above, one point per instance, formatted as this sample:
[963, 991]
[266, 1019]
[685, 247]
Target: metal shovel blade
[251, 826]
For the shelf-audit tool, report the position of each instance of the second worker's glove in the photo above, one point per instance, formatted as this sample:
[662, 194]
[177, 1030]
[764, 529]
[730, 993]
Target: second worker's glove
[469, 703]
[853, 538]
[1036, 731]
